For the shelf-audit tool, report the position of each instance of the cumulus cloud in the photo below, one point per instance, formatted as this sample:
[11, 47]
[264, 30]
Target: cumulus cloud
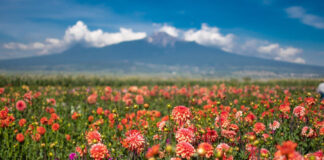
[79, 33]
[281, 53]
[41, 47]
[207, 36]
[210, 36]
[170, 30]
[98, 38]
[306, 18]
[265, 49]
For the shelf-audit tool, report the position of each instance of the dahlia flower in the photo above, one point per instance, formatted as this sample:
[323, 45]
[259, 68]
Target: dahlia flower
[205, 149]
[308, 132]
[181, 114]
[99, 151]
[134, 141]
[185, 135]
[210, 136]
[21, 105]
[185, 150]
[275, 125]
[299, 111]
[93, 137]
[258, 127]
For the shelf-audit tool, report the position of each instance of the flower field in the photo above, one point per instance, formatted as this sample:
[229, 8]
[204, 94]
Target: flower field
[166, 121]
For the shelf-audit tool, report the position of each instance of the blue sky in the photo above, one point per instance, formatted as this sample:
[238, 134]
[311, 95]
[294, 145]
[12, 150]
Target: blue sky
[288, 30]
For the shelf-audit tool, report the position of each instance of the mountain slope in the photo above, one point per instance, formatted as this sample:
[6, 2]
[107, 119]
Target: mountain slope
[157, 54]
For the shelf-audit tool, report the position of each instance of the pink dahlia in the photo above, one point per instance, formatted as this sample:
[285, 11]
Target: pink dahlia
[93, 137]
[258, 127]
[275, 125]
[308, 132]
[21, 105]
[181, 114]
[205, 149]
[99, 151]
[185, 150]
[134, 141]
[299, 111]
[185, 135]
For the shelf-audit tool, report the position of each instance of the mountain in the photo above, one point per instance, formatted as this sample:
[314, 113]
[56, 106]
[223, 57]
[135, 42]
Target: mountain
[160, 54]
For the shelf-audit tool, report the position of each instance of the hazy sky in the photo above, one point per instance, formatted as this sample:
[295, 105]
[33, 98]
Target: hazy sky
[287, 30]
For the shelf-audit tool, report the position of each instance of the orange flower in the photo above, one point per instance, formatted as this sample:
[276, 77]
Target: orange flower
[139, 99]
[258, 127]
[41, 130]
[50, 121]
[284, 108]
[99, 110]
[152, 151]
[120, 127]
[92, 99]
[75, 115]
[20, 137]
[4, 113]
[55, 127]
[36, 137]
[287, 147]
[67, 137]
[93, 137]
[134, 141]
[22, 122]
[90, 118]
[181, 114]
[205, 149]
[185, 150]
[99, 151]
[43, 120]
[250, 117]
[185, 135]
[54, 116]
[321, 131]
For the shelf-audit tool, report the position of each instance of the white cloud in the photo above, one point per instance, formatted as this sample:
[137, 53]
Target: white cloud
[98, 38]
[306, 18]
[172, 31]
[289, 51]
[36, 45]
[265, 49]
[210, 36]
[281, 53]
[268, 49]
[207, 36]
[79, 33]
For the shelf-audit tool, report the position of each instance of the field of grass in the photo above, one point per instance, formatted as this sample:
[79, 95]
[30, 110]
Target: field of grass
[80, 117]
